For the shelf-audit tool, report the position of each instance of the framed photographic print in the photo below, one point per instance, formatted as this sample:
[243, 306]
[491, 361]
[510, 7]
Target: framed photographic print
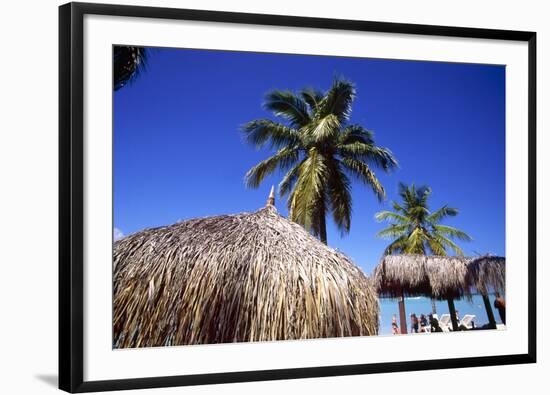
[253, 197]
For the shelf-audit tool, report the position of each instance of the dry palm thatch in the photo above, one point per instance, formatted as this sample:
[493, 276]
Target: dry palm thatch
[398, 275]
[447, 276]
[236, 278]
[487, 272]
[438, 277]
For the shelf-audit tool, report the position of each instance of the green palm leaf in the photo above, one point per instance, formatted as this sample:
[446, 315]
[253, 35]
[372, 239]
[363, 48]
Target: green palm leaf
[323, 130]
[339, 195]
[283, 159]
[262, 131]
[362, 171]
[338, 100]
[390, 215]
[285, 104]
[307, 198]
[443, 212]
[452, 232]
[394, 231]
[312, 97]
[289, 180]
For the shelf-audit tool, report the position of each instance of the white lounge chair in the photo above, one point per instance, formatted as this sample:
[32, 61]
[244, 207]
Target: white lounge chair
[467, 321]
[445, 322]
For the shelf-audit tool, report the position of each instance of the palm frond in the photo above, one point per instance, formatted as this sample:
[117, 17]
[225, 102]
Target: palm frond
[322, 130]
[393, 231]
[397, 246]
[283, 159]
[356, 134]
[339, 197]
[436, 247]
[447, 243]
[389, 215]
[128, 63]
[415, 242]
[423, 193]
[398, 208]
[337, 101]
[308, 190]
[312, 97]
[377, 156]
[287, 105]
[452, 232]
[362, 171]
[262, 131]
[289, 180]
[440, 214]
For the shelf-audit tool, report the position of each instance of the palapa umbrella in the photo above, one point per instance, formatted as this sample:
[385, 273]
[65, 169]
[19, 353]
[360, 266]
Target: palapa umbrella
[235, 278]
[485, 273]
[438, 277]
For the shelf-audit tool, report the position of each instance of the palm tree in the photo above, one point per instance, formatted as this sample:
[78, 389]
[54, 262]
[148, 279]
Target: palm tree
[318, 150]
[128, 63]
[416, 230]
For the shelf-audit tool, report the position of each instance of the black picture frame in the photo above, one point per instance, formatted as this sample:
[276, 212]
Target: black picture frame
[71, 173]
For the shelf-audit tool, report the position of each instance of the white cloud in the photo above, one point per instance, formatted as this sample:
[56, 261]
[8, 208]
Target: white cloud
[117, 234]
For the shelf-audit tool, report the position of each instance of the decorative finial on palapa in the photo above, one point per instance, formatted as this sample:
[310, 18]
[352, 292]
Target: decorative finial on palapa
[271, 198]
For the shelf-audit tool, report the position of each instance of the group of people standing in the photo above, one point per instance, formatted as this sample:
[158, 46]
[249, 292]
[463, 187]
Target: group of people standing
[419, 324]
[428, 323]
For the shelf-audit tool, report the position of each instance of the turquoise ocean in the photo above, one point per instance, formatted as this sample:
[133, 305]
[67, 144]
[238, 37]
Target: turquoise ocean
[423, 305]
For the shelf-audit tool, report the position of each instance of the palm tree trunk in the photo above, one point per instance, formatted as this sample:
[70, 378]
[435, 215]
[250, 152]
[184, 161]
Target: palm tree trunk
[402, 315]
[322, 222]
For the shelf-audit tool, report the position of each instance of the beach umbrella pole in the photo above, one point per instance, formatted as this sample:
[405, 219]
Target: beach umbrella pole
[402, 316]
[452, 312]
[490, 314]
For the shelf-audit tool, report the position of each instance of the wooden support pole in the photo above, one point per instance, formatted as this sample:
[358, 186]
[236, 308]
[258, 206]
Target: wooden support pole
[452, 312]
[402, 315]
[490, 314]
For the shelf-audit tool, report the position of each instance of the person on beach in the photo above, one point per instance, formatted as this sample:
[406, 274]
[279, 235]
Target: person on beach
[423, 323]
[394, 326]
[500, 305]
[434, 323]
[414, 323]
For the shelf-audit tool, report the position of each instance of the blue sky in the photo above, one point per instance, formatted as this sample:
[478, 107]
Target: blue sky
[179, 154]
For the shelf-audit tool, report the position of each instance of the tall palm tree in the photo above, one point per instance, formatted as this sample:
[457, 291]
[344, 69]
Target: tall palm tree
[318, 150]
[128, 63]
[415, 229]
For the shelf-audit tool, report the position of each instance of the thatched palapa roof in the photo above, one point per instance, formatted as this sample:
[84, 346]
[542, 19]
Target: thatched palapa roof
[439, 277]
[487, 272]
[235, 278]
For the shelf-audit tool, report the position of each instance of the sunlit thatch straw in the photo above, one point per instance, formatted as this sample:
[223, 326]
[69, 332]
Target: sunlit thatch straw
[447, 276]
[437, 277]
[236, 278]
[402, 275]
[487, 273]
